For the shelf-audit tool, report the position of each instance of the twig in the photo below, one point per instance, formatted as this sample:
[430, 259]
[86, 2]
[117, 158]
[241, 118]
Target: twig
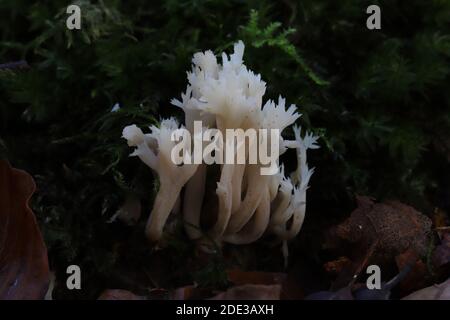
[364, 262]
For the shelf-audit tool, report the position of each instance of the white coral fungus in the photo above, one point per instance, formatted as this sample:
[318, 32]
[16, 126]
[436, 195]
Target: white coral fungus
[227, 96]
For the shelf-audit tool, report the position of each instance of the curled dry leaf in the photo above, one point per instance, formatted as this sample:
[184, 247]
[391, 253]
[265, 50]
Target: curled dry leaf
[435, 292]
[396, 226]
[24, 272]
[251, 292]
[119, 294]
[377, 233]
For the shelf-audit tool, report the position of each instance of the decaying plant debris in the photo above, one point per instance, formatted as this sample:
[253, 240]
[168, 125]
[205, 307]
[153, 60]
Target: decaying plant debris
[24, 270]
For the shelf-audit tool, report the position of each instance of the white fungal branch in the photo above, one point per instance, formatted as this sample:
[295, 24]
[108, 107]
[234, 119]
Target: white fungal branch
[224, 96]
[172, 177]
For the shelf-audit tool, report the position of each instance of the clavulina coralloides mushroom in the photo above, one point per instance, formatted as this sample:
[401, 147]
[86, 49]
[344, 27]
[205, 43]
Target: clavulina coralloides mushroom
[250, 204]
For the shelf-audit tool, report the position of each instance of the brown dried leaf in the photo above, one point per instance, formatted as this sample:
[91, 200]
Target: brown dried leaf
[336, 266]
[377, 233]
[24, 272]
[435, 292]
[417, 277]
[239, 277]
[395, 225]
[190, 292]
[251, 292]
[184, 293]
[441, 255]
[119, 294]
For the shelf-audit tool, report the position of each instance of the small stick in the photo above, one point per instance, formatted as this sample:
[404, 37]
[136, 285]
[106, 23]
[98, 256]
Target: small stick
[369, 254]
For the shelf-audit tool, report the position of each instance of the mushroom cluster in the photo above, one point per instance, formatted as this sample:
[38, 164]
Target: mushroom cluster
[225, 96]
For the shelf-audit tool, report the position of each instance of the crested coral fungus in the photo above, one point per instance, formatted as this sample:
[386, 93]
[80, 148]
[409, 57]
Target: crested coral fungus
[228, 96]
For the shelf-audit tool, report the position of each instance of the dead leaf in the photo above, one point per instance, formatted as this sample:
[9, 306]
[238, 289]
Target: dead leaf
[441, 255]
[350, 272]
[119, 294]
[377, 233]
[336, 266]
[251, 292]
[24, 271]
[290, 288]
[434, 292]
[158, 294]
[184, 293]
[239, 277]
[396, 226]
[417, 277]
[190, 292]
